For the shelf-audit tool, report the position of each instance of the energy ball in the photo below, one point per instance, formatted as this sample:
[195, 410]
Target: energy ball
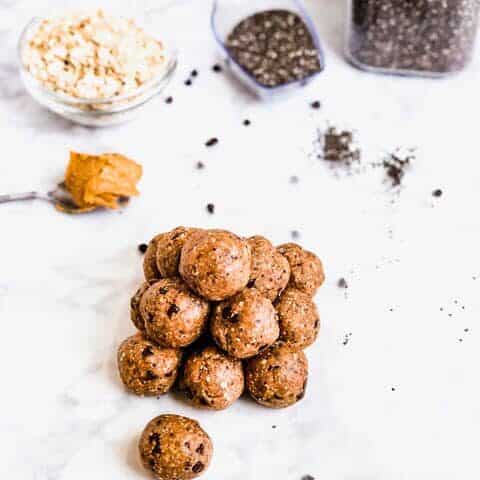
[174, 316]
[135, 315]
[212, 379]
[146, 368]
[307, 273]
[270, 270]
[245, 324]
[169, 247]
[150, 268]
[298, 318]
[277, 378]
[175, 448]
[215, 263]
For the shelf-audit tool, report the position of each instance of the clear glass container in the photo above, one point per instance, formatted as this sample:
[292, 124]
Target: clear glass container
[226, 14]
[412, 37]
[95, 112]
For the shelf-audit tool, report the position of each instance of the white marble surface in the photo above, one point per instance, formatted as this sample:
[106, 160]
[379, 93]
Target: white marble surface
[65, 282]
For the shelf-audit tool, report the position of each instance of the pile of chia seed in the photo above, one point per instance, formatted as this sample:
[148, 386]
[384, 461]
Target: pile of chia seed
[430, 36]
[275, 47]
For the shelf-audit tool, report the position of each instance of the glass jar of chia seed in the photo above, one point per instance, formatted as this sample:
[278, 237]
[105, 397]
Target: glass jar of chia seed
[412, 37]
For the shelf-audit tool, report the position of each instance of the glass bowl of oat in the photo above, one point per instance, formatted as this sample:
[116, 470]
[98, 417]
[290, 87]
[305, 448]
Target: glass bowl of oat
[92, 68]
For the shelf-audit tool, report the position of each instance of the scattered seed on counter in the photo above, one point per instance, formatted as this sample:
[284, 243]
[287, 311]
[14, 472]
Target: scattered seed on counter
[211, 142]
[308, 477]
[275, 47]
[295, 234]
[188, 82]
[393, 389]
[294, 180]
[316, 105]
[396, 164]
[194, 73]
[339, 146]
[342, 283]
[437, 193]
[247, 122]
[217, 68]
[274, 426]
[211, 208]
[347, 338]
[142, 248]
[200, 166]
[169, 100]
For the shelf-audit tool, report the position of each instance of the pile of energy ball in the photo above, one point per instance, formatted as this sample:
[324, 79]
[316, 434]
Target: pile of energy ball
[221, 313]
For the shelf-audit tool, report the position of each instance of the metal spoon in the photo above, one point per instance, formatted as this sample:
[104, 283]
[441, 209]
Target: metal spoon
[60, 202]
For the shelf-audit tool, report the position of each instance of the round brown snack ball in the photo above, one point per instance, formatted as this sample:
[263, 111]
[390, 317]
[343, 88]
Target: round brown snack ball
[146, 368]
[306, 268]
[245, 324]
[135, 315]
[150, 268]
[277, 378]
[298, 318]
[175, 448]
[169, 247]
[215, 263]
[212, 379]
[270, 271]
[174, 316]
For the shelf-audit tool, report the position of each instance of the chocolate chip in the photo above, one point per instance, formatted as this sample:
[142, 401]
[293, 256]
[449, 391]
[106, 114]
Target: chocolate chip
[172, 310]
[149, 375]
[234, 318]
[163, 290]
[200, 449]
[211, 208]
[194, 73]
[188, 393]
[247, 122]
[147, 351]
[316, 105]
[227, 312]
[437, 193]
[198, 467]
[251, 283]
[217, 68]
[200, 166]
[151, 462]
[169, 100]
[188, 82]
[211, 142]
[317, 323]
[155, 439]
[187, 445]
[142, 248]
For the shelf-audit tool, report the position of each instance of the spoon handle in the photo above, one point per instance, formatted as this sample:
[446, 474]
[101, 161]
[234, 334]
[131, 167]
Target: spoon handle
[19, 197]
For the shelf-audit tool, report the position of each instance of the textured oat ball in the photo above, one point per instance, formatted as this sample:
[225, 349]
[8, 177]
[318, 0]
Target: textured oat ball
[270, 270]
[146, 368]
[306, 268]
[215, 263]
[135, 315]
[212, 378]
[175, 448]
[298, 318]
[277, 378]
[169, 247]
[174, 316]
[245, 324]
[150, 268]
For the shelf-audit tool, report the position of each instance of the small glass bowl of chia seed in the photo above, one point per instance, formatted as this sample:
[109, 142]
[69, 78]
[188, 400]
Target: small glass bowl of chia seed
[271, 46]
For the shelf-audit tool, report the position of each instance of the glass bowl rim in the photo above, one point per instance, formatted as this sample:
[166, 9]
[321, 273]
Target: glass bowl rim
[150, 86]
[311, 28]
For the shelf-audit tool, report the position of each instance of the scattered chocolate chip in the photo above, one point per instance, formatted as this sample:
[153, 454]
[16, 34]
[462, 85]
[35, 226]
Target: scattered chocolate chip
[200, 449]
[200, 166]
[149, 375]
[147, 351]
[163, 290]
[251, 283]
[142, 248]
[172, 310]
[437, 193]
[211, 208]
[211, 142]
[188, 82]
[226, 312]
[247, 122]
[342, 283]
[217, 68]
[198, 467]
[316, 105]
[169, 100]
[194, 73]
[155, 440]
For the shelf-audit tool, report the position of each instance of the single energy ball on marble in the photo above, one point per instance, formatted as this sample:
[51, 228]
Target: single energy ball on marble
[212, 379]
[277, 378]
[150, 268]
[173, 447]
[215, 263]
[307, 273]
[245, 324]
[270, 270]
[174, 316]
[145, 368]
[298, 318]
[169, 247]
[135, 314]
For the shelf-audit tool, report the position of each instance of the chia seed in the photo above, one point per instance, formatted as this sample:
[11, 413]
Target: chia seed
[275, 47]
